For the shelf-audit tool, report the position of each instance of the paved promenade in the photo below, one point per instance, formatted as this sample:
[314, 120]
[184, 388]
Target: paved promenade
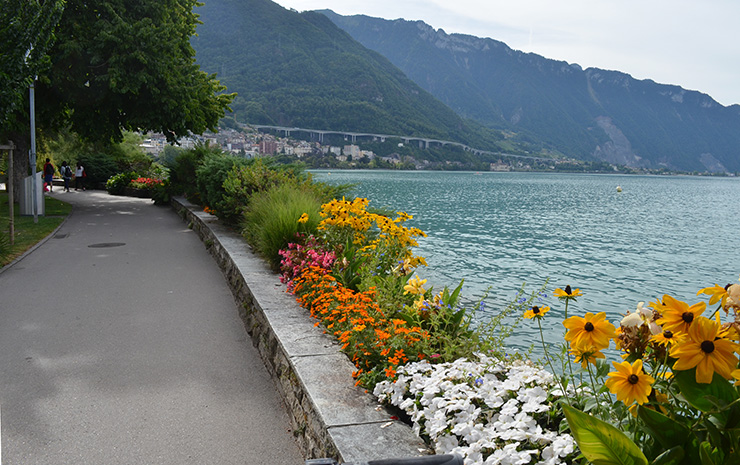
[120, 343]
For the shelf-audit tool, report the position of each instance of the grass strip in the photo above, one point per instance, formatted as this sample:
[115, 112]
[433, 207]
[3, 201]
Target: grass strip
[28, 233]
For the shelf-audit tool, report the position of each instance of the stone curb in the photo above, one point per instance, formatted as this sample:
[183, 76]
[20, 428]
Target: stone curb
[330, 416]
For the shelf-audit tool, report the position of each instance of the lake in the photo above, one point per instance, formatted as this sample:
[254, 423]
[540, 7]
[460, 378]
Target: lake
[660, 235]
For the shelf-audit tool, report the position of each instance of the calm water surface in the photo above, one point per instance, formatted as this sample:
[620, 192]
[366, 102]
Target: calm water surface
[660, 235]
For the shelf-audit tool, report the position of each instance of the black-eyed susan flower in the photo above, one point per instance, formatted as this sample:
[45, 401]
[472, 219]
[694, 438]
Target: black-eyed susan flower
[585, 354]
[706, 350]
[536, 312]
[668, 338]
[677, 316]
[567, 293]
[303, 218]
[591, 330]
[630, 383]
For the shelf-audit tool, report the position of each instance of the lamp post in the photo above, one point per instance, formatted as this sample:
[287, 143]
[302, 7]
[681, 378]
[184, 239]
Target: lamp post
[32, 152]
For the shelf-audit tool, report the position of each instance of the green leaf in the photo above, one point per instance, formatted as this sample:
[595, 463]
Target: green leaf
[708, 455]
[673, 456]
[666, 431]
[697, 394]
[456, 294]
[600, 442]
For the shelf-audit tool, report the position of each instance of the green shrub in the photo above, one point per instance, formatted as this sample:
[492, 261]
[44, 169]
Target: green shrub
[117, 183]
[271, 221]
[99, 167]
[161, 193]
[210, 177]
[183, 176]
[262, 174]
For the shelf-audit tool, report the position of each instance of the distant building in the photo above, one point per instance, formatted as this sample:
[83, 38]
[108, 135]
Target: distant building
[268, 147]
[500, 166]
[352, 151]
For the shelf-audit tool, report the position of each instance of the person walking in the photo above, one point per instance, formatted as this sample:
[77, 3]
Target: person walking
[48, 176]
[66, 172]
[80, 177]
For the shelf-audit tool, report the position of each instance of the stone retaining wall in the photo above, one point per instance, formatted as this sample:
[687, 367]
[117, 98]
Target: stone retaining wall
[330, 416]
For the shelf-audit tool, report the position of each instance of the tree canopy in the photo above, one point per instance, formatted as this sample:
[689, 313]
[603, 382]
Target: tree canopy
[118, 65]
[26, 33]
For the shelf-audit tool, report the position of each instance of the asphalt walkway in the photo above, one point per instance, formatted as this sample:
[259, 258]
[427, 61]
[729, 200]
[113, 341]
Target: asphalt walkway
[120, 343]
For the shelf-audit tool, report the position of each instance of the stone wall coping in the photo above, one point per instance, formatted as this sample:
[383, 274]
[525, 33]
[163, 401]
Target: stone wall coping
[329, 415]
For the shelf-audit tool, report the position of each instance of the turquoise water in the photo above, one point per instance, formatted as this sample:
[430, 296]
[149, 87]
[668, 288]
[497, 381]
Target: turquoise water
[660, 235]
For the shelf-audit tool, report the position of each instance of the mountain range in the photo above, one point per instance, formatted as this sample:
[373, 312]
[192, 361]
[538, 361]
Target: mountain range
[591, 113]
[300, 70]
[321, 70]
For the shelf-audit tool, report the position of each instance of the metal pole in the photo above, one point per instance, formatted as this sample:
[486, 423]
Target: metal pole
[11, 209]
[34, 186]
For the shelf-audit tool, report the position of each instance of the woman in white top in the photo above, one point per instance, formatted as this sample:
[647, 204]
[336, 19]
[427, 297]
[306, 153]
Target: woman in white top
[79, 177]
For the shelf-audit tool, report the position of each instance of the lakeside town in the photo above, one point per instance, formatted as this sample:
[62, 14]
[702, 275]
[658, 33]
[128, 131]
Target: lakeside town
[343, 153]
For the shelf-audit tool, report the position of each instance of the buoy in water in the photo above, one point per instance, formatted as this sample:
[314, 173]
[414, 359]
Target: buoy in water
[619, 188]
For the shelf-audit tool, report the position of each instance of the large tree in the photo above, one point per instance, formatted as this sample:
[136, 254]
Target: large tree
[121, 65]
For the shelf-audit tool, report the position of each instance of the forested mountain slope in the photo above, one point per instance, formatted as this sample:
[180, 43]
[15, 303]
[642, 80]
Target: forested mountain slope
[299, 69]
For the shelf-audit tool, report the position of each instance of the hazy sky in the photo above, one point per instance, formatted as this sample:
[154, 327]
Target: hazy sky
[691, 43]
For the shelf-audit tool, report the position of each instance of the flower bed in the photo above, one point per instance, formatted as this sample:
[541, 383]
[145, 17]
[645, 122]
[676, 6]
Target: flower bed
[487, 410]
[417, 350]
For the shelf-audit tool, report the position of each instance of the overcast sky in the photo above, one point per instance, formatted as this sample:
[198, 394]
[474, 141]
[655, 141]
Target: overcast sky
[691, 43]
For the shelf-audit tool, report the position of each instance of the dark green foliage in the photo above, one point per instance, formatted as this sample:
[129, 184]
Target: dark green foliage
[117, 183]
[161, 193]
[183, 178]
[99, 167]
[24, 24]
[129, 65]
[211, 174]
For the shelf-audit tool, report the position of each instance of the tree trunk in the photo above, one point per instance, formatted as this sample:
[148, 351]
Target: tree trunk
[20, 159]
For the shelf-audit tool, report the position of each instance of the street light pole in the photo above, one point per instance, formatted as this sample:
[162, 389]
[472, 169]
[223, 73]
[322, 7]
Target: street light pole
[34, 185]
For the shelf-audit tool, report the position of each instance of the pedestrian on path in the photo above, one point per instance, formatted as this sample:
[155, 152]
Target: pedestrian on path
[80, 177]
[48, 176]
[66, 172]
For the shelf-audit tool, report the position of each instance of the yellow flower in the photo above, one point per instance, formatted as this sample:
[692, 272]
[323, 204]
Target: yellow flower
[536, 312]
[668, 338]
[630, 383]
[586, 354]
[593, 330]
[736, 376]
[706, 350]
[717, 293]
[567, 293]
[677, 315]
[415, 286]
[303, 218]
